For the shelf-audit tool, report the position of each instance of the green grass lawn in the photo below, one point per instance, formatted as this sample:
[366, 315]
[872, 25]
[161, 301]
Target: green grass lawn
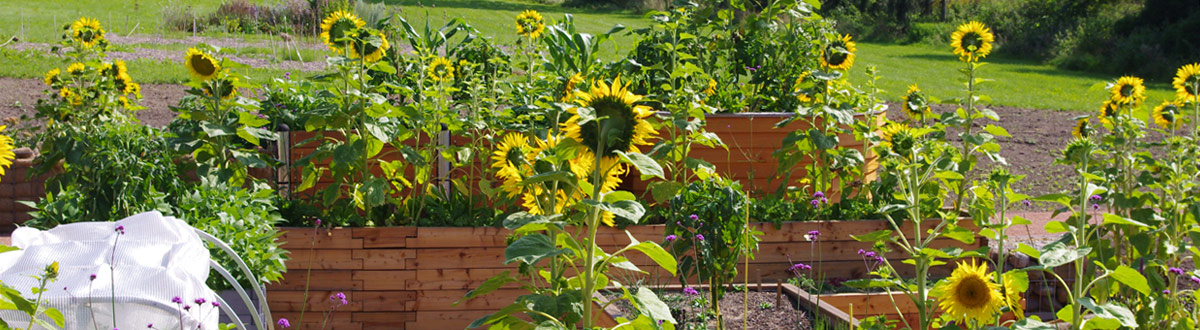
[1017, 82]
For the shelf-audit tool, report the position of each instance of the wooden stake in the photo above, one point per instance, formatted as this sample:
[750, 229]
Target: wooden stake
[778, 291]
[759, 280]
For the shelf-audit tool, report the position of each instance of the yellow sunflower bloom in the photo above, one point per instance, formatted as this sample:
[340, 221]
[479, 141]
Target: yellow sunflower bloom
[52, 76]
[898, 139]
[440, 70]
[124, 101]
[1187, 80]
[336, 26]
[838, 54]
[200, 65]
[76, 68]
[969, 294]
[115, 69]
[1013, 293]
[6, 151]
[569, 88]
[1128, 91]
[124, 83]
[1082, 129]
[226, 88]
[799, 88]
[1108, 110]
[530, 24]
[370, 45]
[511, 153]
[1166, 114]
[972, 41]
[915, 104]
[87, 32]
[712, 87]
[70, 96]
[624, 123]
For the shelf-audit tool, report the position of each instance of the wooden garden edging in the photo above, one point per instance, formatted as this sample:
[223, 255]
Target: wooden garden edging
[409, 277]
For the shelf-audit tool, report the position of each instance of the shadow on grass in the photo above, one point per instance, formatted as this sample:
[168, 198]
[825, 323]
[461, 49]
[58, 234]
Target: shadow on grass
[503, 5]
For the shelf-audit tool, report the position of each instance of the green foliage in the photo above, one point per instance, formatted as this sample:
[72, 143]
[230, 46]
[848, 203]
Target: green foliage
[243, 218]
[11, 299]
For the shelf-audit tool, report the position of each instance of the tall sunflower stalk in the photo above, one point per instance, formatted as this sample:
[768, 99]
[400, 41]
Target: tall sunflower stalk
[972, 42]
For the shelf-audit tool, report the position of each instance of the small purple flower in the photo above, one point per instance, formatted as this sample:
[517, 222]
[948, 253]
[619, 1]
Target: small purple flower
[200, 301]
[1095, 198]
[818, 194]
[671, 238]
[1195, 279]
[677, 223]
[216, 304]
[284, 323]
[700, 237]
[700, 225]
[801, 266]
[690, 291]
[1095, 207]
[694, 217]
[1027, 203]
[177, 300]
[1175, 270]
[92, 277]
[187, 307]
[815, 203]
[339, 297]
[824, 201]
[120, 230]
[861, 252]
[149, 325]
[1166, 292]
[318, 222]
[814, 233]
[287, 75]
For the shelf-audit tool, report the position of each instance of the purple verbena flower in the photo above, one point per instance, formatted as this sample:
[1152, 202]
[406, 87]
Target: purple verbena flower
[149, 325]
[814, 233]
[318, 222]
[1175, 270]
[1195, 279]
[92, 277]
[1166, 292]
[200, 301]
[1095, 198]
[861, 252]
[187, 307]
[815, 203]
[694, 217]
[690, 291]
[216, 304]
[1027, 203]
[671, 238]
[824, 201]
[800, 266]
[818, 194]
[284, 323]
[1095, 207]
[700, 237]
[120, 230]
[177, 300]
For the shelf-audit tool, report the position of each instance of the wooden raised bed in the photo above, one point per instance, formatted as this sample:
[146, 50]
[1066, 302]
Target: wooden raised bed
[855, 306]
[407, 277]
[752, 138]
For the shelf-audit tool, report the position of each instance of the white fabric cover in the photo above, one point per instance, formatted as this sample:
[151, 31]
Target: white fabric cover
[158, 258]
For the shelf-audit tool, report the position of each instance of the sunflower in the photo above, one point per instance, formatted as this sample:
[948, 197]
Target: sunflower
[70, 96]
[530, 24]
[226, 88]
[799, 88]
[1012, 294]
[440, 70]
[511, 153]
[335, 27]
[369, 45]
[1166, 114]
[972, 41]
[6, 151]
[897, 139]
[1128, 91]
[52, 76]
[569, 87]
[613, 107]
[915, 104]
[1083, 128]
[712, 87]
[87, 32]
[76, 68]
[537, 196]
[200, 65]
[1107, 111]
[838, 54]
[124, 84]
[1186, 81]
[115, 69]
[124, 101]
[969, 294]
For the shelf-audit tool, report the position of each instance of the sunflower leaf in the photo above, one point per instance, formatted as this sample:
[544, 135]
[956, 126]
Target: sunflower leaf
[1131, 278]
[644, 164]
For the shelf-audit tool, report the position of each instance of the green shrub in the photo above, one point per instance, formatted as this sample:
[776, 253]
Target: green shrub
[243, 218]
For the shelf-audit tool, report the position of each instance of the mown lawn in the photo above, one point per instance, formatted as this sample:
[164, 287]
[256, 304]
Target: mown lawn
[1017, 82]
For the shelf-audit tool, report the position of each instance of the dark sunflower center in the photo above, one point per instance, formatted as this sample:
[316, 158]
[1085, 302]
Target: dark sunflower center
[836, 54]
[338, 29]
[1168, 116]
[972, 292]
[87, 35]
[441, 70]
[515, 155]
[1126, 90]
[971, 42]
[203, 65]
[617, 121]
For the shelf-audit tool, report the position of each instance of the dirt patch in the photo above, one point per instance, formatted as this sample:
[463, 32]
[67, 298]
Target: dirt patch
[762, 312]
[21, 95]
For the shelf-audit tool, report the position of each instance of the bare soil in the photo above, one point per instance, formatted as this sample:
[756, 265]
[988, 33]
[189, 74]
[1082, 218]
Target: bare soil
[763, 311]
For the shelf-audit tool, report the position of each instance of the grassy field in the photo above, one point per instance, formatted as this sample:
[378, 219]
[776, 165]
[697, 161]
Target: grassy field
[1017, 82]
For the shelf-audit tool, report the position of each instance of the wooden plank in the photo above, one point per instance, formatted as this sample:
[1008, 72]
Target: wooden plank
[446, 319]
[321, 280]
[323, 259]
[455, 279]
[381, 259]
[318, 301]
[385, 279]
[388, 301]
[459, 258]
[443, 300]
[385, 320]
[385, 237]
[302, 238]
[465, 237]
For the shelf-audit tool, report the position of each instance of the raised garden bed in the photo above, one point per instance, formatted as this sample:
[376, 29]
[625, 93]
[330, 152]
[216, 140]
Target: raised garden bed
[398, 277]
[772, 306]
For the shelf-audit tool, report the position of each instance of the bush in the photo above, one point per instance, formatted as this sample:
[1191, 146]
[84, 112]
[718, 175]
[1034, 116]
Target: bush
[243, 218]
